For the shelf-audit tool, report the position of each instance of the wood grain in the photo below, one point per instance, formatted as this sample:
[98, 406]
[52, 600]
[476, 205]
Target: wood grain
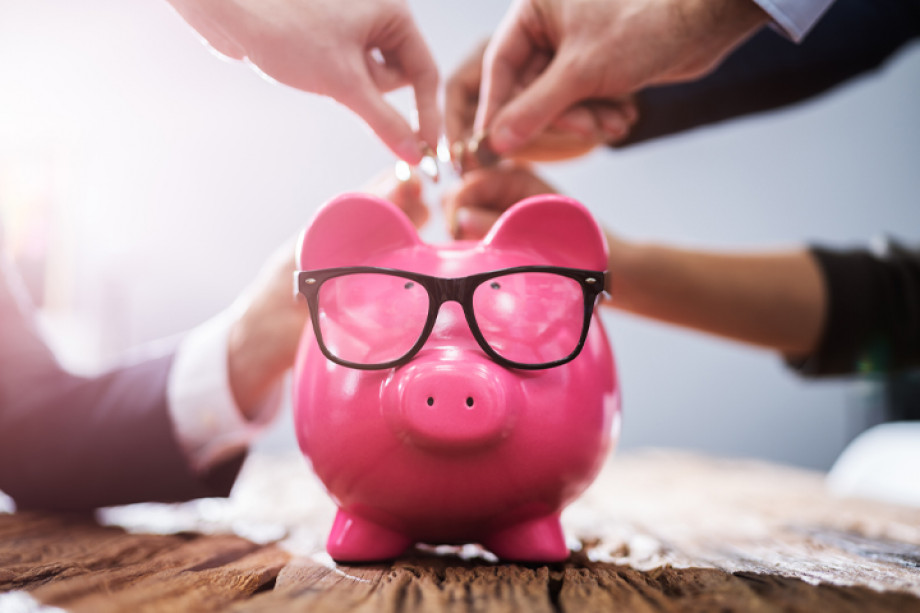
[449, 584]
[75, 563]
[657, 532]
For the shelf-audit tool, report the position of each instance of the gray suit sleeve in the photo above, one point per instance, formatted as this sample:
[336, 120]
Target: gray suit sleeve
[76, 443]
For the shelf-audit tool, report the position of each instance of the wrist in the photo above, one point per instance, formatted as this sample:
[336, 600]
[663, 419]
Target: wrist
[736, 20]
[252, 367]
[708, 31]
[624, 259]
[642, 275]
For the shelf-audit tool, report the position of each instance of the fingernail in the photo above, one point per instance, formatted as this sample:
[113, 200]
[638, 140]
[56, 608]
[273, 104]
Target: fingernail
[504, 139]
[410, 150]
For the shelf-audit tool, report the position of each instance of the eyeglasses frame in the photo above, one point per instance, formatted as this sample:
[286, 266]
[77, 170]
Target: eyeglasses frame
[441, 290]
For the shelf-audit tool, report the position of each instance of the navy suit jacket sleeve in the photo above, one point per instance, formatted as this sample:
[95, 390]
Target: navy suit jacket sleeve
[770, 71]
[76, 443]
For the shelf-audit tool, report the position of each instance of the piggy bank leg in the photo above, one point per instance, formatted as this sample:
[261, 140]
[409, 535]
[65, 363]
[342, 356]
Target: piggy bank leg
[354, 539]
[537, 540]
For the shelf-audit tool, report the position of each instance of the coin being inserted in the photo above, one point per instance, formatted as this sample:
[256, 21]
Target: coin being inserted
[429, 164]
[475, 153]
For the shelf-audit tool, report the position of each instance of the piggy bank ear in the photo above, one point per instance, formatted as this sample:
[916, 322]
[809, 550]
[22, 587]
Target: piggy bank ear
[351, 228]
[555, 227]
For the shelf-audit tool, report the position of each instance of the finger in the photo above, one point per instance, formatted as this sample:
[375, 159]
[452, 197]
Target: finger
[420, 70]
[581, 119]
[600, 121]
[481, 188]
[553, 145]
[493, 189]
[506, 55]
[613, 122]
[361, 95]
[554, 91]
[459, 114]
[407, 195]
[535, 66]
[473, 224]
[224, 45]
[499, 187]
[404, 192]
[461, 96]
[385, 75]
[630, 110]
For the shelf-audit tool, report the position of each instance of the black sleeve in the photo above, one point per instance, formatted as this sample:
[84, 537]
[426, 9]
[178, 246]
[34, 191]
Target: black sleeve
[770, 71]
[873, 317]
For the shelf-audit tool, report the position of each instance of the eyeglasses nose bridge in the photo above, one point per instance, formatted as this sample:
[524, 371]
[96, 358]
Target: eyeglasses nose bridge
[448, 290]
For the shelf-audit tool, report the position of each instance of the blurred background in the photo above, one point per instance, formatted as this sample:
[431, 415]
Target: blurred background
[143, 181]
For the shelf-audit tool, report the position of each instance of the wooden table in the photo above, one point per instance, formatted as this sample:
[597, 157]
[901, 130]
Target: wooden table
[659, 531]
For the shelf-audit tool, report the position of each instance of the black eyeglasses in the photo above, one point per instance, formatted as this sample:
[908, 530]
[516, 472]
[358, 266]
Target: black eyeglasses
[527, 317]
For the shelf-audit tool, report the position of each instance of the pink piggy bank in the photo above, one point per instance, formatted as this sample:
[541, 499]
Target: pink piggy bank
[453, 393]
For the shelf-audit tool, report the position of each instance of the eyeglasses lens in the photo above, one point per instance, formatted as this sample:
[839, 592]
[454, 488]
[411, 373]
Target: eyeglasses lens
[530, 317]
[369, 318]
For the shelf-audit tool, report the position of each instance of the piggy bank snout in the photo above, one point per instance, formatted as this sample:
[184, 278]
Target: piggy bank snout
[450, 405]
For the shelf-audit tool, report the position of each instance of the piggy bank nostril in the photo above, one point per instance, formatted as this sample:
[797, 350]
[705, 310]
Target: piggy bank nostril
[469, 401]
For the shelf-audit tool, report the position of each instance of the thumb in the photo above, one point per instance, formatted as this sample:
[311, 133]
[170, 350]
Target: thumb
[534, 108]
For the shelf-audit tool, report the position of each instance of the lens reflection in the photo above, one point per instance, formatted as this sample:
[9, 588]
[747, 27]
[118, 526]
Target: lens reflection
[370, 318]
[530, 317]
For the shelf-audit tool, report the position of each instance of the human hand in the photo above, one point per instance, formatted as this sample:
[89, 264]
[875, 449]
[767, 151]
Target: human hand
[575, 132]
[264, 339]
[598, 50]
[353, 52]
[404, 192]
[473, 206]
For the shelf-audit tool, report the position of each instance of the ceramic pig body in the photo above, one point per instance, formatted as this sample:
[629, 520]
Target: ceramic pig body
[451, 447]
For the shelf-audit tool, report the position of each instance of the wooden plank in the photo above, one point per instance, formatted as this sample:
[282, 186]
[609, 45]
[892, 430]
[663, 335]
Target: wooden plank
[119, 582]
[450, 584]
[50, 548]
[306, 584]
[657, 532]
[75, 563]
[653, 509]
[418, 583]
[211, 585]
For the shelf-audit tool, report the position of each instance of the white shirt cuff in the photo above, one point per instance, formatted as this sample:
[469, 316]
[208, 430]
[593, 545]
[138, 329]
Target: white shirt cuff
[795, 18]
[208, 423]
